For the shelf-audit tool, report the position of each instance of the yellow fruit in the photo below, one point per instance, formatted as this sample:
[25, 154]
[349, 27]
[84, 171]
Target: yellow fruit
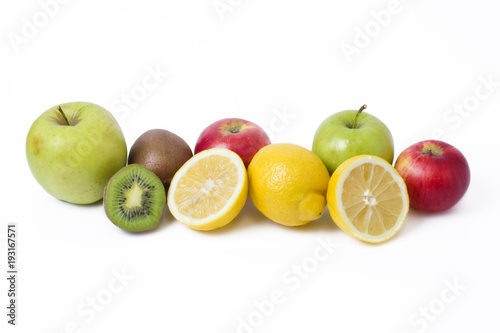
[288, 184]
[367, 198]
[209, 190]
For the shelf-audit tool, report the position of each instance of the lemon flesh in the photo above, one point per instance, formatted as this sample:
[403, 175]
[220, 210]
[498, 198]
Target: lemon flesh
[368, 199]
[209, 190]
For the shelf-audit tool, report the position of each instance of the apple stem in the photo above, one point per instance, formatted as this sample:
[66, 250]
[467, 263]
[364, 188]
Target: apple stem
[357, 115]
[429, 152]
[64, 116]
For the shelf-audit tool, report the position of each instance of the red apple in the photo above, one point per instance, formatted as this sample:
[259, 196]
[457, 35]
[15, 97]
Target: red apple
[436, 174]
[241, 136]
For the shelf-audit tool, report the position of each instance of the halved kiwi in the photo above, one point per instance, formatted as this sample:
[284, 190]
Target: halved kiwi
[134, 198]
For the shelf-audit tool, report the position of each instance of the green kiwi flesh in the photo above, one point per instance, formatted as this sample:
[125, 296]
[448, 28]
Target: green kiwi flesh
[134, 198]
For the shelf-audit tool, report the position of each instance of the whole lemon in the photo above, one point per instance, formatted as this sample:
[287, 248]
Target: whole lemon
[288, 183]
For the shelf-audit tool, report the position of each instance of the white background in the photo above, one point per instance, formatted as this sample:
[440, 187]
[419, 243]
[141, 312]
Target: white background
[255, 61]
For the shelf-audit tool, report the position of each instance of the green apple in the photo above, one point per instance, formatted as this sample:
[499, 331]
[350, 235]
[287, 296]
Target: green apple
[350, 133]
[73, 149]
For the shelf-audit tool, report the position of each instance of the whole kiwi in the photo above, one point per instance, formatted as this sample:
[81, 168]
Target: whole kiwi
[162, 152]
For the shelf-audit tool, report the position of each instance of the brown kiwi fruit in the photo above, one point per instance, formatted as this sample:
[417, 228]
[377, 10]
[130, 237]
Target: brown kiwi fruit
[162, 152]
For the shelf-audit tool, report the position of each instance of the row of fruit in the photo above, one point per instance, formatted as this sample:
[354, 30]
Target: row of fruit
[77, 152]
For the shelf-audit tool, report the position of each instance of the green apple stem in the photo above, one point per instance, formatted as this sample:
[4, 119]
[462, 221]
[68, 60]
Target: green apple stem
[64, 116]
[357, 115]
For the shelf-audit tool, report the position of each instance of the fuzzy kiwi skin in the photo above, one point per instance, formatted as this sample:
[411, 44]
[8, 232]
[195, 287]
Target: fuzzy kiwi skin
[162, 152]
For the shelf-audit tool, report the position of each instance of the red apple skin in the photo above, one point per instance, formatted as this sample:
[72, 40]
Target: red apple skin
[239, 135]
[436, 174]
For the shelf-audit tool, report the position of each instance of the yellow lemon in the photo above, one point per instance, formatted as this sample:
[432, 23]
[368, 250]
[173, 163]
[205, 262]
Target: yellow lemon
[288, 183]
[367, 198]
[209, 190]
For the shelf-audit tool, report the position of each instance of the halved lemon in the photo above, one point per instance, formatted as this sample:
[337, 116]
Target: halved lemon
[209, 190]
[367, 198]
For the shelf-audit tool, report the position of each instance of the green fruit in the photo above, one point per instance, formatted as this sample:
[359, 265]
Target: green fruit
[73, 149]
[351, 133]
[162, 152]
[134, 198]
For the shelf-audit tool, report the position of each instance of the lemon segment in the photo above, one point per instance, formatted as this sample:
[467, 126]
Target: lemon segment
[209, 190]
[367, 198]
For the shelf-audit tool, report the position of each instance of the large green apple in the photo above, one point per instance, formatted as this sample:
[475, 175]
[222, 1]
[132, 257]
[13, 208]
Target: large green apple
[350, 133]
[73, 149]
